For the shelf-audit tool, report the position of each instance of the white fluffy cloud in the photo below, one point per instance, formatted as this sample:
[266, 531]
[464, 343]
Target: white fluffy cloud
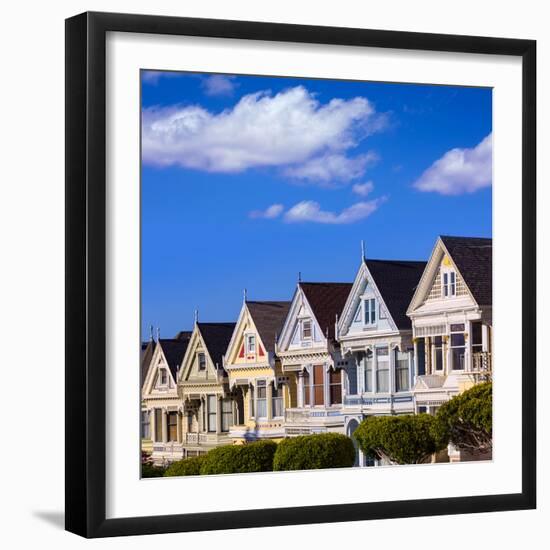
[273, 211]
[218, 84]
[363, 189]
[332, 167]
[285, 130]
[310, 211]
[460, 171]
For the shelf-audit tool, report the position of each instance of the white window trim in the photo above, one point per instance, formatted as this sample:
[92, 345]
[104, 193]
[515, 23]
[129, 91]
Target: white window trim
[302, 322]
[364, 301]
[248, 338]
[446, 272]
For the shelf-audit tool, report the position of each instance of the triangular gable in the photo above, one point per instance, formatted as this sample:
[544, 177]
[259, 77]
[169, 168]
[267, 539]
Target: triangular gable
[236, 352]
[429, 288]
[190, 369]
[152, 380]
[291, 334]
[364, 286]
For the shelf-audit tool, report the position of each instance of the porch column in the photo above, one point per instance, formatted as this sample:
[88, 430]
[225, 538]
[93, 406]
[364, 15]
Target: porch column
[391, 381]
[374, 370]
[201, 414]
[410, 359]
[468, 352]
[300, 400]
[428, 349]
[269, 397]
[180, 426]
[218, 414]
[164, 426]
[360, 370]
[152, 424]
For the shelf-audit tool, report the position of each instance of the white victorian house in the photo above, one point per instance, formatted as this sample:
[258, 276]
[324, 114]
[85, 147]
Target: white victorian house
[310, 354]
[161, 406]
[375, 336]
[451, 314]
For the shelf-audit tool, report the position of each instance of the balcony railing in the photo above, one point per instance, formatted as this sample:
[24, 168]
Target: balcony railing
[194, 438]
[482, 366]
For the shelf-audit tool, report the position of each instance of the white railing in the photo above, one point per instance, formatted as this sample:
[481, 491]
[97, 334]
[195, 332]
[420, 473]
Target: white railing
[482, 366]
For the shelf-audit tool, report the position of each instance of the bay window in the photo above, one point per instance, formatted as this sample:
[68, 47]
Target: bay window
[335, 386]
[401, 371]
[227, 414]
[211, 412]
[438, 353]
[261, 399]
[382, 370]
[458, 347]
[172, 419]
[145, 425]
[277, 402]
[318, 385]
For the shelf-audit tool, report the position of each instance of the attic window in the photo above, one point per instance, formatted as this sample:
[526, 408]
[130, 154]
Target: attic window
[251, 344]
[369, 311]
[163, 377]
[306, 329]
[202, 361]
[449, 284]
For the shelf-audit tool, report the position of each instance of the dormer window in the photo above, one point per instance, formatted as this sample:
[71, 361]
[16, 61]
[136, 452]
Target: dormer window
[369, 311]
[449, 284]
[306, 329]
[251, 344]
[202, 361]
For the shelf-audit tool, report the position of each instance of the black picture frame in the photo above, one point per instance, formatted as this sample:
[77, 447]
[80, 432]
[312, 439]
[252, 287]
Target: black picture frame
[86, 269]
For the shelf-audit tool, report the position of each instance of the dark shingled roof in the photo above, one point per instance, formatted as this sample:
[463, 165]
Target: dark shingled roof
[216, 338]
[269, 318]
[326, 300]
[147, 349]
[397, 281]
[174, 350]
[473, 256]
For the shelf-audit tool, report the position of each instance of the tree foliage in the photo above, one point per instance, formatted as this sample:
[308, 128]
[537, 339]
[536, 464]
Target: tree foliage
[403, 439]
[466, 421]
[239, 459]
[311, 452]
[187, 467]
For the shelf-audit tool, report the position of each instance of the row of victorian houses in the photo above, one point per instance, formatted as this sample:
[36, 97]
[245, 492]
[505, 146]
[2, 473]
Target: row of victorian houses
[404, 338]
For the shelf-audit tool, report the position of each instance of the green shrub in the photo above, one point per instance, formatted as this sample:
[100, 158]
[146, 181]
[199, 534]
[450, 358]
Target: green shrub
[312, 452]
[239, 459]
[403, 439]
[149, 470]
[466, 420]
[187, 467]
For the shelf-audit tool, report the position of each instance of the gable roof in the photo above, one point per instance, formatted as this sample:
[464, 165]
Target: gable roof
[473, 257]
[174, 350]
[396, 280]
[326, 300]
[269, 318]
[216, 337]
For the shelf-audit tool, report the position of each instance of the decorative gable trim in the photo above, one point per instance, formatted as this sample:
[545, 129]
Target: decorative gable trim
[431, 275]
[349, 312]
[158, 361]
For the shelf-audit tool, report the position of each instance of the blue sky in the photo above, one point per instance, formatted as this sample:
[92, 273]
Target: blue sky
[247, 181]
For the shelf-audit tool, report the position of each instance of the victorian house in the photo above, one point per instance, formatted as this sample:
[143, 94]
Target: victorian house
[261, 390]
[203, 386]
[310, 356]
[375, 336]
[451, 314]
[161, 405]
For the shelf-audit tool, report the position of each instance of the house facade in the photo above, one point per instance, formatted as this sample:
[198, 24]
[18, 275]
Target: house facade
[208, 408]
[310, 356]
[260, 388]
[375, 337]
[451, 313]
[161, 405]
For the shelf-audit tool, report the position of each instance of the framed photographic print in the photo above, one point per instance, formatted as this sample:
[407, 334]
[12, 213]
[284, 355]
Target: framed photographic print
[300, 274]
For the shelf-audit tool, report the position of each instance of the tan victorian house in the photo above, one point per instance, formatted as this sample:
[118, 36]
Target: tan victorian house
[262, 391]
[160, 401]
[203, 388]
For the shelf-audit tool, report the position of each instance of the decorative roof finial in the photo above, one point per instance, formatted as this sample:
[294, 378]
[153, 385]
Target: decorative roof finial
[151, 335]
[299, 276]
[363, 255]
[158, 334]
[244, 295]
[196, 316]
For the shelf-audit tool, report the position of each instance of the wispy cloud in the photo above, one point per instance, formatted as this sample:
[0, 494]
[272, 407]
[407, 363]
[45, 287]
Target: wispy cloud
[363, 189]
[271, 212]
[310, 211]
[218, 84]
[287, 130]
[460, 171]
[332, 168]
